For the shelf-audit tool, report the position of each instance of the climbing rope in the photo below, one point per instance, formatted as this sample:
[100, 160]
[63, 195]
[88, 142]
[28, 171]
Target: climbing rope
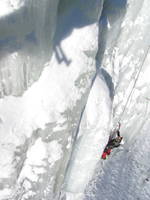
[132, 90]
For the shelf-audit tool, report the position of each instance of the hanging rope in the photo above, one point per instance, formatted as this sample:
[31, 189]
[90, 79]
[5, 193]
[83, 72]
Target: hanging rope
[138, 74]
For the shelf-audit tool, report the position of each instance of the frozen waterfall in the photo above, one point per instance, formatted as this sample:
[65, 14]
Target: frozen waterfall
[67, 69]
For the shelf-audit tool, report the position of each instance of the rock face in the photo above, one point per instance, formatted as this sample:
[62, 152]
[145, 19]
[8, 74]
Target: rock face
[67, 70]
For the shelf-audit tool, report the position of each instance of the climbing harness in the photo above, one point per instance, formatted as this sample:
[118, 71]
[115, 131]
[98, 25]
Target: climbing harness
[132, 90]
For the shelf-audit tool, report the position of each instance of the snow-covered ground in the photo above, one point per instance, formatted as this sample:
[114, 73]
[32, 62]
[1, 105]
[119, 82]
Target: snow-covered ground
[67, 70]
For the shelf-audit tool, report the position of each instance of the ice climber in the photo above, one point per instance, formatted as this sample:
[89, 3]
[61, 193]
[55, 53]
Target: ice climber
[112, 143]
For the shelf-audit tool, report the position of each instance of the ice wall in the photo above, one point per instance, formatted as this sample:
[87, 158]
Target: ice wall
[52, 133]
[38, 128]
[26, 40]
[125, 175]
[90, 142]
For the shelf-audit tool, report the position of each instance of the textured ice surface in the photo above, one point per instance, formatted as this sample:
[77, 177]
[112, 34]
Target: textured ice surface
[125, 175]
[38, 128]
[26, 40]
[67, 69]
